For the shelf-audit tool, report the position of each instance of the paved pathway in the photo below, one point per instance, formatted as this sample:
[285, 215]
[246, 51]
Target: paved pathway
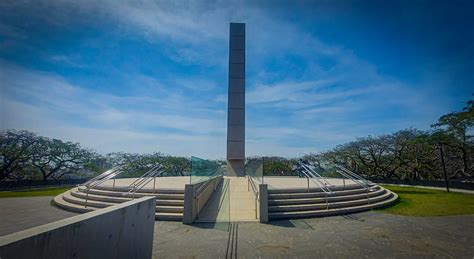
[22, 213]
[369, 234]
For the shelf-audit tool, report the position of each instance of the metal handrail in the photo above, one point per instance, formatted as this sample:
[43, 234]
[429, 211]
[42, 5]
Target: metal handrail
[109, 174]
[317, 175]
[101, 176]
[138, 180]
[256, 191]
[314, 175]
[354, 177]
[211, 176]
[143, 181]
[342, 172]
[360, 178]
[203, 185]
[320, 184]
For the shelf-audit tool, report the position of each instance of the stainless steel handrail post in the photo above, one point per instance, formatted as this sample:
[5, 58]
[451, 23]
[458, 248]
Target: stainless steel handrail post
[109, 174]
[256, 215]
[327, 202]
[368, 198]
[87, 197]
[307, 181]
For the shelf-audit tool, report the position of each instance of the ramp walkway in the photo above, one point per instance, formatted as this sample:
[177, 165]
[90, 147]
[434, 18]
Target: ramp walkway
[231, 202]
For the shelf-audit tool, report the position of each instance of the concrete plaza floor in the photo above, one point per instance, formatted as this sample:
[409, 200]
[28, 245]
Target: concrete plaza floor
[368, 234]
[23, 213]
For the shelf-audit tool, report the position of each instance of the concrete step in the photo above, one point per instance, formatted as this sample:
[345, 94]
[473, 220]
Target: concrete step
[114, 199]
[332, 212]
[67, 196]
[174, 209]
[293, 201]
[323, 206]
[160, 202]
[168, 216]
[74, 200]
[163, 196]
[60, 202]
[94, 197]
[317, 189]
[303, 194]
[144, 190]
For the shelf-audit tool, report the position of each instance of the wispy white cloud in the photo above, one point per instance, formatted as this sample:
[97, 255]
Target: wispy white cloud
[48, 104]
[330, 97]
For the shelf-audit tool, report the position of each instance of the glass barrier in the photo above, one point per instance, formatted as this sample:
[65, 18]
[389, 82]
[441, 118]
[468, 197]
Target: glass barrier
[203, 170]
[217, 208]
[254, 169]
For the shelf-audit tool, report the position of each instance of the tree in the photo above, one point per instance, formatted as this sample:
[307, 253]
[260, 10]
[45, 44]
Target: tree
[458, 124]
[54, 158]
[278, 166]
[15, 153]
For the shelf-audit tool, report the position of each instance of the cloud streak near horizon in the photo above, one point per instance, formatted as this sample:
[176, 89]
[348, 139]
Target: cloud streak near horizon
[151, 76]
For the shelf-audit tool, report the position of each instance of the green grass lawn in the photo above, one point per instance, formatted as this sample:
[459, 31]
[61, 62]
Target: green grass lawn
[49, 191]
[425, 202]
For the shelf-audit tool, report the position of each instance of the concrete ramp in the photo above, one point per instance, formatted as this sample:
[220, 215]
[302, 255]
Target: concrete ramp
[231, 202]
[217, 207]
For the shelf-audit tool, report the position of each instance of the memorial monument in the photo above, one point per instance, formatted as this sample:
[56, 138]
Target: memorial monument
[236, 101]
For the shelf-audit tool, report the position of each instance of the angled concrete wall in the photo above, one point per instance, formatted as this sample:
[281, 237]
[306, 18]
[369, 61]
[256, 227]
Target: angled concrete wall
[236, 101]
[194, 202]
[120, 231]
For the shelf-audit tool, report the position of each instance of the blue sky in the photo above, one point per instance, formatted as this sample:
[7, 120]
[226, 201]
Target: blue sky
[147, 76]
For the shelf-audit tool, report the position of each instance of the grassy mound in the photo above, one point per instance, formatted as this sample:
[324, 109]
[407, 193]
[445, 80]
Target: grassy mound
[426, 202]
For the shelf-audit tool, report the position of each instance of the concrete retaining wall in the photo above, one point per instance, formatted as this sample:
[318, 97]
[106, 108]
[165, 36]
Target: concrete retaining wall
[120, 231]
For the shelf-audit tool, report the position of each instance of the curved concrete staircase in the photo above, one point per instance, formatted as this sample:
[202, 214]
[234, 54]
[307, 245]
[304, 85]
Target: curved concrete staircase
[169, 203]
[301, 203]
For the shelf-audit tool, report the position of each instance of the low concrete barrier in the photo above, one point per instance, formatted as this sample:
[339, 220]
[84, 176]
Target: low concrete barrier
[195, 197]
[120, 231]
[263, 203]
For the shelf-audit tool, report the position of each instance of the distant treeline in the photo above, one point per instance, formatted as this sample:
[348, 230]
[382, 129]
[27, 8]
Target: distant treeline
[27, 156]
[406, 154]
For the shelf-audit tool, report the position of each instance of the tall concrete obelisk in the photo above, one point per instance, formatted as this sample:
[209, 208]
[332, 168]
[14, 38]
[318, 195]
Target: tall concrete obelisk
[236, 102]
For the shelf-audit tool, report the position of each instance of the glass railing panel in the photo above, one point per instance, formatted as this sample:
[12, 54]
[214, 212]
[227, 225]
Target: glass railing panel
[203, 170]
[254, 169]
